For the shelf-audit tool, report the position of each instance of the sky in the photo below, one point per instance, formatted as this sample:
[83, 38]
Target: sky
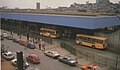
[43, 3]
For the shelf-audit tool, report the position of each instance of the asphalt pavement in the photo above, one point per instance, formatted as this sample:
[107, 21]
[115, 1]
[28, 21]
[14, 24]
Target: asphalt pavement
[46, 63]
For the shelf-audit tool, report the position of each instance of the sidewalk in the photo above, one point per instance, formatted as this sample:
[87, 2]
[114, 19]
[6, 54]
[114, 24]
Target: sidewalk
[5, 65]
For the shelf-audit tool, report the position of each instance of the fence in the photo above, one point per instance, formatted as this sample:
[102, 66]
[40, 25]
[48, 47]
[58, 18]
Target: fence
[69, 48]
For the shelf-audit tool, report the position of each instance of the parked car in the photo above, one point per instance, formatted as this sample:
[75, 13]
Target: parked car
[67, 60]
[30, 45]
[9, 37]
[33, 58]
[90, 67]
[22, 42]
[53, 54]
[8, 55]
[25, 64]
[16, 40]
[5, 35]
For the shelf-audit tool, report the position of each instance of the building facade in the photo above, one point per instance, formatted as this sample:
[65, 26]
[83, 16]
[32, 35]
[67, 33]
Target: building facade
[102, 1]
[38, 6]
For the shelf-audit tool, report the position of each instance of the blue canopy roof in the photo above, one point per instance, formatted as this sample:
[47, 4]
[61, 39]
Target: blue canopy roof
[86, 22]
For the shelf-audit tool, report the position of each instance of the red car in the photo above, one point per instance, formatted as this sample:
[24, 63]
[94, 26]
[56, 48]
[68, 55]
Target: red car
[22, 42]
[33, 58]
[90, 67]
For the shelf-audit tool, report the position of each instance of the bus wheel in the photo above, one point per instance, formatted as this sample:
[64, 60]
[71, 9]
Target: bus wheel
[93, 46]
[80, 44]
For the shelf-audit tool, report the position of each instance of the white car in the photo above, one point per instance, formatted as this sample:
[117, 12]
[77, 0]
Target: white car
[53, 54]
[14, 62]
[5, 35]
[8, 55]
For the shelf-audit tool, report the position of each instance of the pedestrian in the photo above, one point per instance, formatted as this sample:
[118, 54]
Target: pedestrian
[43, 47]
[33, 40]
[39, 46]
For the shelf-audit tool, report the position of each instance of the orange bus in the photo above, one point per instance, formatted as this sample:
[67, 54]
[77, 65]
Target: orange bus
[91, 41]
[49, 32]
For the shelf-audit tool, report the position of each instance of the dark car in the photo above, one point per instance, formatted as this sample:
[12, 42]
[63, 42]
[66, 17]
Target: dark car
[33, 58]
[30, 45]
[16, 40]
[9, 37]
[67, 60]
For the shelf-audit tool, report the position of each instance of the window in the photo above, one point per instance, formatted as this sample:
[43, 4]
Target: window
[100, 41]
[9, 54]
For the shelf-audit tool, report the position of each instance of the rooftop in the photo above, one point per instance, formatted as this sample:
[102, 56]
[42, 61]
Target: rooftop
[86, 22]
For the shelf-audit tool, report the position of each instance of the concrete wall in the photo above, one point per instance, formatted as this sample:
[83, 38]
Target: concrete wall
[114, 41]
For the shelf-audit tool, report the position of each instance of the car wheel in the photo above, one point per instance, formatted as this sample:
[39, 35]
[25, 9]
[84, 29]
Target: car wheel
[80, 44]
[93, 46]
[45, 54]
[59, 60]
[52, 57]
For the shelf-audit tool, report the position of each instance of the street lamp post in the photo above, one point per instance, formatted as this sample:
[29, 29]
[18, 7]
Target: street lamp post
[27, 33]
[19, 29]
[117, 56]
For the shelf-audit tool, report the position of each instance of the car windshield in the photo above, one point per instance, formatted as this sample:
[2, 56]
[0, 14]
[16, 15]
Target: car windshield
[9, 54]
[54, 52]
[32, 44]
[69, 59]
[34, 56]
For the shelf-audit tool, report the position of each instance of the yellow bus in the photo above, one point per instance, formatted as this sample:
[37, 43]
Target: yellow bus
[49, 32]
[91, 41]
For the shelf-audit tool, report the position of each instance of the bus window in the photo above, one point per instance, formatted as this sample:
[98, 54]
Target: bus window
[100, 41]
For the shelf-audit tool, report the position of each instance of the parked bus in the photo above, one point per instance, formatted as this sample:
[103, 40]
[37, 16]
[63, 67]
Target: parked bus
[91, 41]
[49, 32]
